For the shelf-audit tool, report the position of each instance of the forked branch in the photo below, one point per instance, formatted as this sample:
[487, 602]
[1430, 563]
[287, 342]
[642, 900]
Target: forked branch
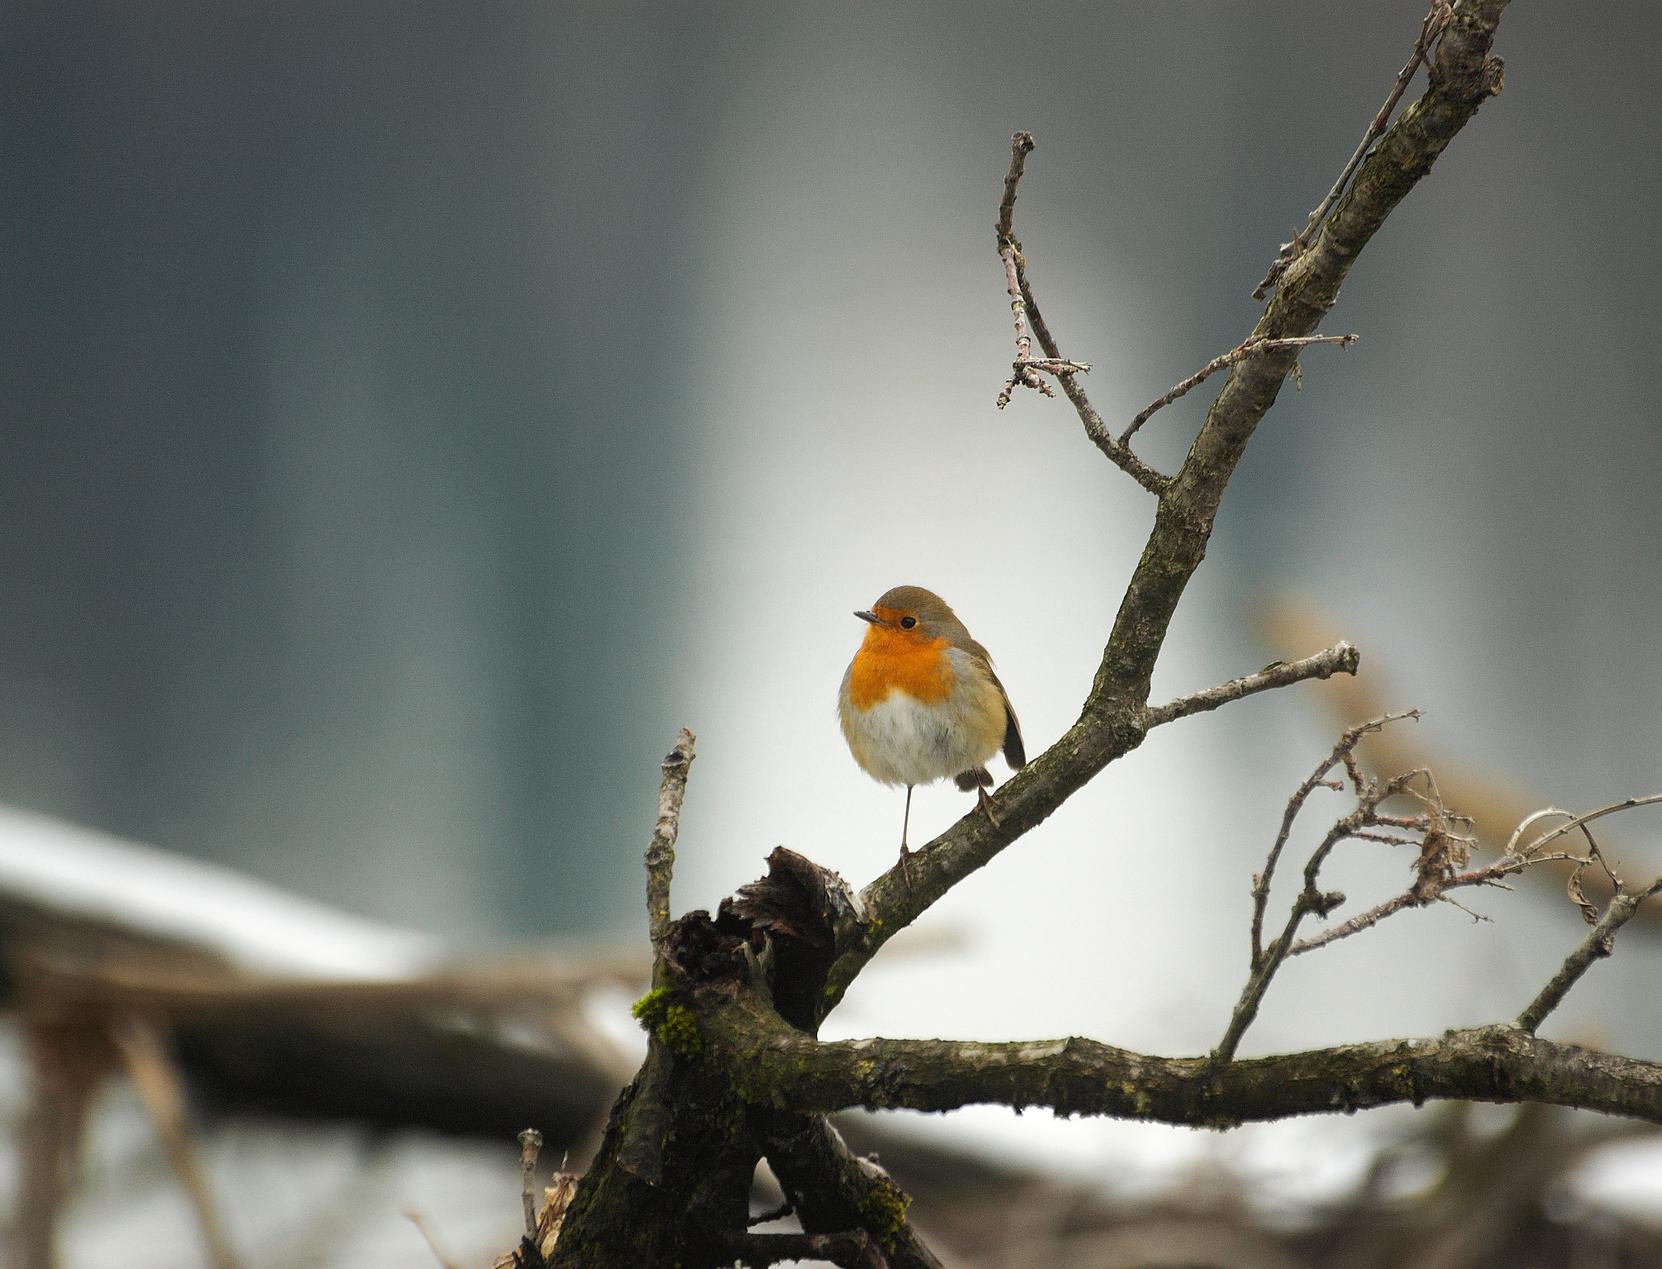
[1437, 18]
[1112, 720]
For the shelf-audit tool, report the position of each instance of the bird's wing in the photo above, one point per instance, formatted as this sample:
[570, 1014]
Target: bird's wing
[1015, 752]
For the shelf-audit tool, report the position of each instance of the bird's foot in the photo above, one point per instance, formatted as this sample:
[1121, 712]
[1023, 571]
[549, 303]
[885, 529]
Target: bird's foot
[986, 804]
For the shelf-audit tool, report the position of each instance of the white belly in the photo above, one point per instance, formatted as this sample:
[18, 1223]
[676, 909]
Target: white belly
[900, 740]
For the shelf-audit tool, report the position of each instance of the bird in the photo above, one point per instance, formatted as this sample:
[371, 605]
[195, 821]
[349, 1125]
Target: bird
[920, 701]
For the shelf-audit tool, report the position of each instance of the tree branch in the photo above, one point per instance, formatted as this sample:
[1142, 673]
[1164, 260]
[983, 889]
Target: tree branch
[660, 852]
[1600, 941]
[1436, 19]
[1341, 658]
[1026, 369]
[1112, 722]
[1574, 822]
[781, 1066]
[1341, 753]
[1026, 309]
[1238, 353]
[834, 1189]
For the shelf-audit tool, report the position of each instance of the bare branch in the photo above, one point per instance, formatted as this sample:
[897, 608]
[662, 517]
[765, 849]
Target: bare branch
[1238, 353]
[1341, 753]
[1437, 19]
[530, 1146]
[1026, 368]
[1341, 658]
[660, 852]
[1311, 898]
[1021, 145]
[1574, 822]
[1110, 721]
[1437, 876]
[1600, 941]
[1073, 1076]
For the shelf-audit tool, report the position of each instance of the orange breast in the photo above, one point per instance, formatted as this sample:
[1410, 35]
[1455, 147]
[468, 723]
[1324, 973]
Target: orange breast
[891, 660]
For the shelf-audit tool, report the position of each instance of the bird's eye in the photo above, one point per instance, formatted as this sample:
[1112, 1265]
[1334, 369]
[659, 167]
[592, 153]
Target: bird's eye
[906, 623]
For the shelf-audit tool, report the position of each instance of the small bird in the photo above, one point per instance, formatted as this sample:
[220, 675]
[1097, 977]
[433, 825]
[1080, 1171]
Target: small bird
[920, 701]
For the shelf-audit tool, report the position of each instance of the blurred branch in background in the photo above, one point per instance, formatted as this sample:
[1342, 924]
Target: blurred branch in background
[100, 990]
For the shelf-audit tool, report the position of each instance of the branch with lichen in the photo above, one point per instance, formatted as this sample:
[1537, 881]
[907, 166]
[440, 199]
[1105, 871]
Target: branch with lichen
[781, 1066]
[660, 850]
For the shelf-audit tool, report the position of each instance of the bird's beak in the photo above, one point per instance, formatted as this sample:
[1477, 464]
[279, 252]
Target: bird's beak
[868, 616]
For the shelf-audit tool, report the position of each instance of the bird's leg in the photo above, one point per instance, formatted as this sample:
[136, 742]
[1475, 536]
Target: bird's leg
[986, 804]
[906, 854]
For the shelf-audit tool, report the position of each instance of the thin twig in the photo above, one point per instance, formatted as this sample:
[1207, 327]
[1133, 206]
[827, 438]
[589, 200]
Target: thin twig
[1021, 145]
[1318, 779]
[1599, 943]
[1341, 658]
[660, 852]
[1026, 369]
[1432, 885]
[530, 1146]
[1490, 875]
[1240, 352]
[1626, 804]
[1436, 20]
[1030, 325]
[1310, 898]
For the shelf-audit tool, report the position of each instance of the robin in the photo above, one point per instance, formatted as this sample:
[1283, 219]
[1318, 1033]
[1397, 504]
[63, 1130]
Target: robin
[920, 701]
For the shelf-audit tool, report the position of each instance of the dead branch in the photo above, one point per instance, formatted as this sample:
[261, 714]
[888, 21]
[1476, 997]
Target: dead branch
[1600, 942]
[660, 852]
[1341, 658]
[1240, 352]
[1026, 310]
[1342, 752]
[1370, 794]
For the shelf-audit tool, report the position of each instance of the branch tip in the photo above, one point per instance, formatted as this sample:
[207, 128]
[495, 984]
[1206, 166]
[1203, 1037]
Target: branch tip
[660, 851]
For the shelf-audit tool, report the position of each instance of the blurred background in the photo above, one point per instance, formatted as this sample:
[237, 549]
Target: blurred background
[414, 413]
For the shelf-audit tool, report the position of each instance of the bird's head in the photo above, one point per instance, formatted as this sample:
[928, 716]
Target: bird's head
[913, 613]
